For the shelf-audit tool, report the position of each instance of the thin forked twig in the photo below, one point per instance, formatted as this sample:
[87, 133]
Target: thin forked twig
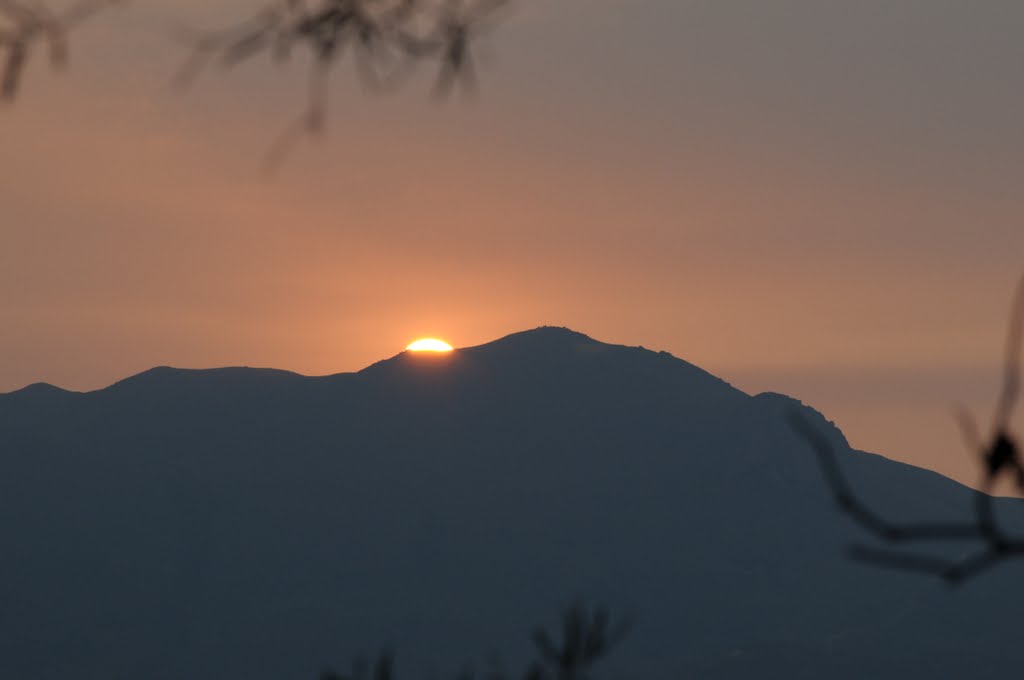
[587, 637]
[999, 457]
[23, 25]
[385, 39]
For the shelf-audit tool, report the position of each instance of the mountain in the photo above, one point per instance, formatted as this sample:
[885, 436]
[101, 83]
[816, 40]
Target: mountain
[202, 524]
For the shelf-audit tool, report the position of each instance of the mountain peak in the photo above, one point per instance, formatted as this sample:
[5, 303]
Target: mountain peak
[784, 406]
[543, 337]
[39, 390]
[42, 388]
[168, 379]
[559, 354]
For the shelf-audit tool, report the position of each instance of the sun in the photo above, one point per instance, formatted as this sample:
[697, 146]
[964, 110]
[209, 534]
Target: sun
[429, 345]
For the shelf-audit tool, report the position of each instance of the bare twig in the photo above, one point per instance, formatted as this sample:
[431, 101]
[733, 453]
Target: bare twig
[25, 24]
[385, 39]
[999, 458]
[587, 637]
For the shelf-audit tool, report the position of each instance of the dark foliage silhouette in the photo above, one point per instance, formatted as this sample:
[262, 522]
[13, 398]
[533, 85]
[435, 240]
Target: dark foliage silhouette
[999, 457]
[384, 39]
[382, 669]
[25, 26]
[587, 637]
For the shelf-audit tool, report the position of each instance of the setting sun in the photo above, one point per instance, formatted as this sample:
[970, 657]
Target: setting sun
[429, 345]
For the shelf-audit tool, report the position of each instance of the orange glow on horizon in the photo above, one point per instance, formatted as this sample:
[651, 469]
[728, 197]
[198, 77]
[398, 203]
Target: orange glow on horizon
[429, 345]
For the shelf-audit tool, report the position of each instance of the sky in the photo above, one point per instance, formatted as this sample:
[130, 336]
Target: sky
[815, 198]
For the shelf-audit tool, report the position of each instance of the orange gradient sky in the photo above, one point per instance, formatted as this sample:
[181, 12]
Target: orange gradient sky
[820, 199]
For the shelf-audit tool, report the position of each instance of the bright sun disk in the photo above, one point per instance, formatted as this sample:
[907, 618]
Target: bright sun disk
[429, 345]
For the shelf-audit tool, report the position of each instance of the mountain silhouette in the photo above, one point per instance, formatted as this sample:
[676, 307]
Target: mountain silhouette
[258, 523]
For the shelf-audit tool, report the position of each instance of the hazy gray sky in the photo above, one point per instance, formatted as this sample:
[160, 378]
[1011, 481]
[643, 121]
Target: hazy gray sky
[817, 198]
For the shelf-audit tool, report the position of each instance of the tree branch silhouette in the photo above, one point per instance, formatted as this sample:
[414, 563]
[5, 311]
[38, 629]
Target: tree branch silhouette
[25, 24]
[384, 39]
[999, 457]
[587, 637]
